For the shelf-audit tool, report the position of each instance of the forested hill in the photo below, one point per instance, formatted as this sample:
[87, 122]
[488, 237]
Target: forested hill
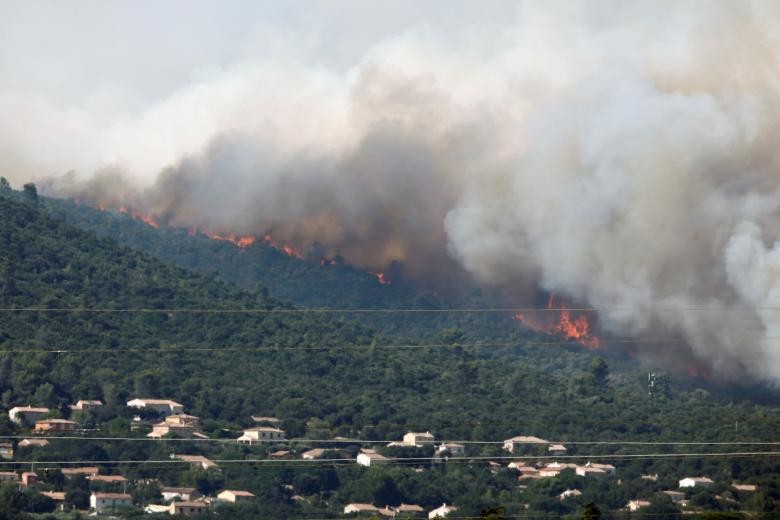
[324, 375]
[306, 281]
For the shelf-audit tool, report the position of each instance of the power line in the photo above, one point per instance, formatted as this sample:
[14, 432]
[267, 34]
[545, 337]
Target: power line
[386, 441]
[393, 460]
[302, 310]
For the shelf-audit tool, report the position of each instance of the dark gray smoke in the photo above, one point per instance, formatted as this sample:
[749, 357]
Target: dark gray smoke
[621, 155]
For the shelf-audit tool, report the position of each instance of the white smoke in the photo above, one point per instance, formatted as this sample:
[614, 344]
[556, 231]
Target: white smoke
[622, 154]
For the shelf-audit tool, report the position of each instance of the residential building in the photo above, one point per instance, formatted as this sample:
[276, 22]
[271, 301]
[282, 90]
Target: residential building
[280, 454]
[454, 449]
[85, 404]
[87, 471]
[6, 450]
[367, 457]
[636, 505]
[556, 449]
[232, 495]
[522, 440]
[183, 431]
[57, 496]
[360, 508]
[592, 469]
[197, 461]
[183, 418]
[26, 414]
[188, 508]
[569, 493]
[653, 477]
[185, 494]
[261, 434]
[442, 512]
[418, 439]
[164, 407]
[56, 426]
[316, 453]
[408, 509]
[29, 479]
[694, 482]
[107, 502]
[745, 488]
[39, 443]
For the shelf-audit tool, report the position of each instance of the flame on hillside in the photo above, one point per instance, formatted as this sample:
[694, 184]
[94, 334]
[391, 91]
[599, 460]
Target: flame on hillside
[137, 215]
[558, 321]
[381, 278]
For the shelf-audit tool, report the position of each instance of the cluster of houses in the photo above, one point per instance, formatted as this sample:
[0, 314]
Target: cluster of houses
[401, 511]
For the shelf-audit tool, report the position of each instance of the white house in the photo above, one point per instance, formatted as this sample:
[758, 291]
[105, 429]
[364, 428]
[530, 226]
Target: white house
[593, 469]
[188, 508]
[182, 493]
[103, 502]
[557, 449]
[28, 414]
[570, 493]
[675, 496]
[368, 457]
[636, 505]
[521, 440]
[693, 482]
[197, 461]
[359, 508]
[86, 404]
[261, 434]
[163, 406]
[233, 495]
[418, 439]
[442, 512]
[452, 448]
[316, 453]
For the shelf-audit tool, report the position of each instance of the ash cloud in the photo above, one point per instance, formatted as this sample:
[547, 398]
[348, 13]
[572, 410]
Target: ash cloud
[624, 156]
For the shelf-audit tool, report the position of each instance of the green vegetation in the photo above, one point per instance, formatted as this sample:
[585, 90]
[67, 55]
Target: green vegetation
[327, 375]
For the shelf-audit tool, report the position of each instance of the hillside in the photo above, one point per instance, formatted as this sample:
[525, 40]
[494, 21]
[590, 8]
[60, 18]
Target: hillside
[308, 281]
[326, 375]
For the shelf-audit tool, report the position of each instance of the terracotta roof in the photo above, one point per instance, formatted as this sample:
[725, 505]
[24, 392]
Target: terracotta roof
[33, 442]
[238, 493]
[116, 496]
[527, 439]
[29, 409]
[107, 478]
[59, 496]
[86, 470]
[189, 504]
[183, 490]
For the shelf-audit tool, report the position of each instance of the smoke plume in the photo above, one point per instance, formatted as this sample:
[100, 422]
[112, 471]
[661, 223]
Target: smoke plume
[623, 155]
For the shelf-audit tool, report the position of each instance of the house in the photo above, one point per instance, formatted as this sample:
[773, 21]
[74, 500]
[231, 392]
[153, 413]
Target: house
[675, 496]
[552, 470]
[55, 426]
[636, 505]
[570, 493]
[183, 418]
[454, 449]
[745, 488]
[26, 414]
[316, 453]
[442, 512]
[38, 443]
[280, 454]
[261, 434]
[652, 478]
[84, 404]
[269, 421]
[164, 407]
[232, 495]
[87, 471]
[694, 482]
[57, 496]
[367, 457]
[197, 460]
[183, 431]
[407, 509]
[418, 439]
[360, 508]
[557, 449]
[188, 508]
[6, 476]
[29, 479]
[182, 493]
[6, 450]
[106, 502]
[522, 440]
[525, 471]
[594, 470]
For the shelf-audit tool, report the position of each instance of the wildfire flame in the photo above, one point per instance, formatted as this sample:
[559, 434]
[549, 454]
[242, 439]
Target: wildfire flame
[571, 329]
[146, 219]
[380, 277]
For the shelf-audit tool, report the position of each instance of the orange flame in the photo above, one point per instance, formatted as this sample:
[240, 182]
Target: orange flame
[146, 219]
[381, 277]
[562, 324]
